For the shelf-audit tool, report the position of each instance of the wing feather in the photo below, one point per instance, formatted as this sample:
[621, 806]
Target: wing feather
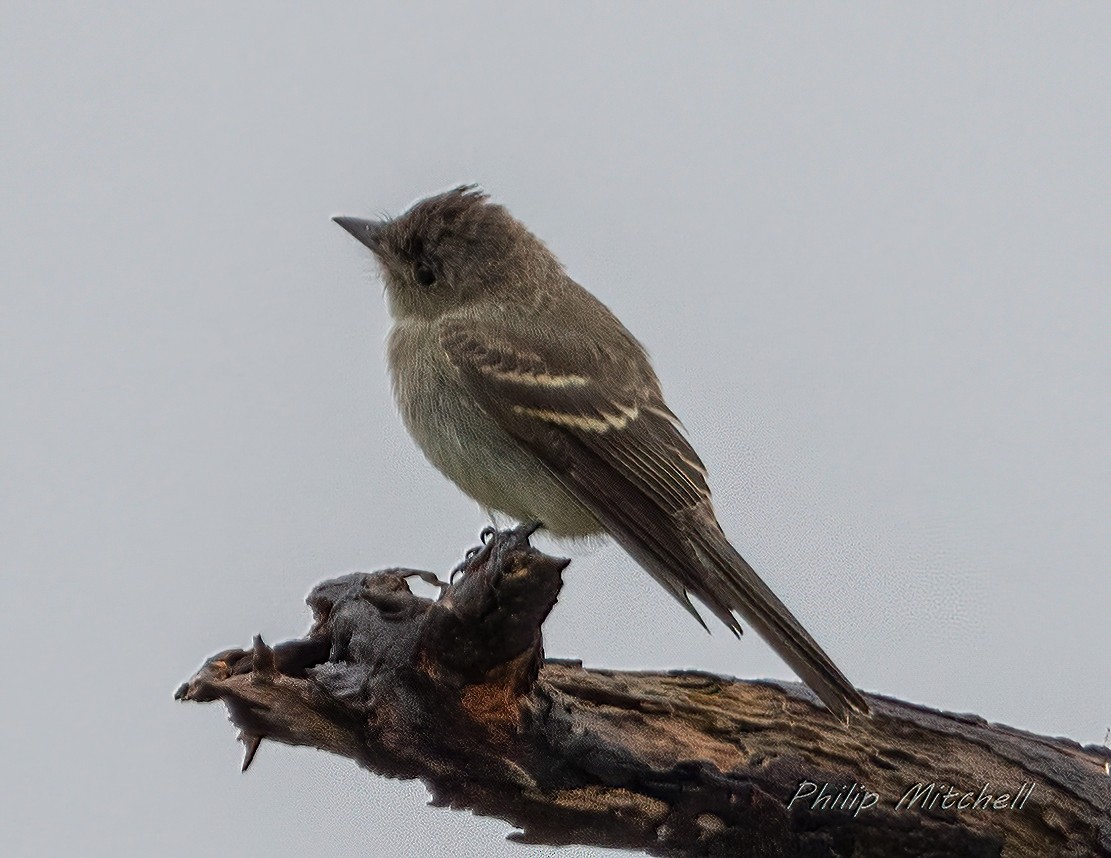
[599, 423]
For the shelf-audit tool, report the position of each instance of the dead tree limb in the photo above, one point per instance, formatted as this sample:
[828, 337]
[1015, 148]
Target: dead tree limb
[456, 692]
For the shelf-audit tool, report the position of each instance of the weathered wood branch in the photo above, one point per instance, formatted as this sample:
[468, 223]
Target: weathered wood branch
[456, 692]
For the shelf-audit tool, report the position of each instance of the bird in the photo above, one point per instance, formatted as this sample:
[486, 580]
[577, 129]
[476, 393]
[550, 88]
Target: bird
[529, 394]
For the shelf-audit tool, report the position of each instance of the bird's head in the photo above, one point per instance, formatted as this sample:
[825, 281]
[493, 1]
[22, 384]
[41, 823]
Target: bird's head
[452, 249]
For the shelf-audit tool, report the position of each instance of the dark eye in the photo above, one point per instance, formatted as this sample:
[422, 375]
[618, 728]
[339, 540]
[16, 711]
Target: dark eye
[425, 275]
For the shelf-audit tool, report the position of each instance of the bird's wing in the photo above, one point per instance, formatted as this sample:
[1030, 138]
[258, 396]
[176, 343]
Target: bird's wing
[597, 419]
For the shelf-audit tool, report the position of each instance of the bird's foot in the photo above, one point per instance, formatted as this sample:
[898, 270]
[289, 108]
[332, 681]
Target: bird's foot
[477, 555]
[481, 553]
[528, 528]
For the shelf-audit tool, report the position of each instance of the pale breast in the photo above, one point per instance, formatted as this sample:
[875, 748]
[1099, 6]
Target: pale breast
[466, 445]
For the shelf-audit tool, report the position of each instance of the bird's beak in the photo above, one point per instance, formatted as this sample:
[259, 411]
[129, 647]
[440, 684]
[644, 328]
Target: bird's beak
[366, 231]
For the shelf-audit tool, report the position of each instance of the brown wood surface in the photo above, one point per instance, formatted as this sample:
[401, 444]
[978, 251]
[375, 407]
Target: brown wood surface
[456, 692]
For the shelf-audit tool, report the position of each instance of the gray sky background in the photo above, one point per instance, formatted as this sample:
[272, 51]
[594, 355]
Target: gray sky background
[867, 245]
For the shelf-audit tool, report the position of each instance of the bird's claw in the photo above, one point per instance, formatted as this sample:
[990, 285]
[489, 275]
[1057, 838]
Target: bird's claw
[476, 554]
[479, 553]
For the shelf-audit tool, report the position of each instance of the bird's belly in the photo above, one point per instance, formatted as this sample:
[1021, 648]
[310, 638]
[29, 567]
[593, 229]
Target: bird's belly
[468, 447]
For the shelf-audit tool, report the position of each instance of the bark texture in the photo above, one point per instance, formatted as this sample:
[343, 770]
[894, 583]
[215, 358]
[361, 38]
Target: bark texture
[457, 692]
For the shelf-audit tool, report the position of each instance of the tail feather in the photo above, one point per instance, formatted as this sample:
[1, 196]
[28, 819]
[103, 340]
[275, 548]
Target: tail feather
[681, 545]
[735, 586]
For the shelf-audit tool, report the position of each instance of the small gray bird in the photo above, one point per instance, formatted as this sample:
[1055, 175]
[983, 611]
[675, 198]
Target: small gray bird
[529, 394]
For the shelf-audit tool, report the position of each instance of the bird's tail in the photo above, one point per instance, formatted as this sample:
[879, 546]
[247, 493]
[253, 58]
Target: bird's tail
[733, 585]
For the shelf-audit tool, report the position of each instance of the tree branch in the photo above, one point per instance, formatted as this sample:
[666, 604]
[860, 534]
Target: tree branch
[456, 692]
